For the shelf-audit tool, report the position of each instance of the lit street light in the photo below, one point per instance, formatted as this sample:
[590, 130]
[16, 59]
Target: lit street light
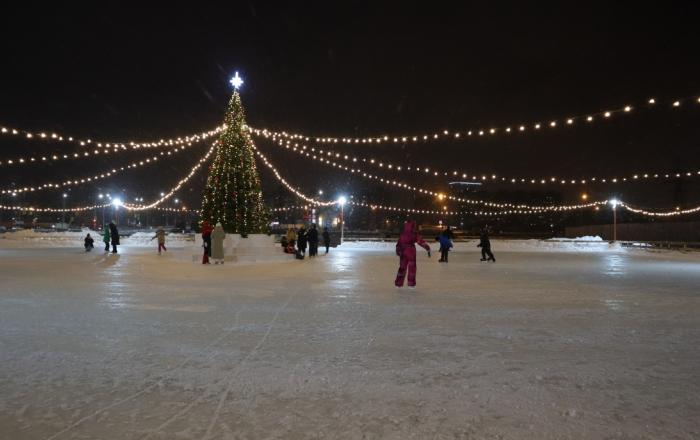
[342, 201]
[64, 209]
[614, 203]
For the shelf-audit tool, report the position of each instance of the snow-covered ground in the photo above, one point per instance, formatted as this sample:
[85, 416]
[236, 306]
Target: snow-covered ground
[550, 342]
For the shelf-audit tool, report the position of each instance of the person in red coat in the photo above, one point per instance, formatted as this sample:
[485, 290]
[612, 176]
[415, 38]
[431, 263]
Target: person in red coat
[406, 250]
[206, 241]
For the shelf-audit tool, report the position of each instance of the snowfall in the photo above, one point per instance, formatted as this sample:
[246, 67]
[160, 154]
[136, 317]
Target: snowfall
[558, 339]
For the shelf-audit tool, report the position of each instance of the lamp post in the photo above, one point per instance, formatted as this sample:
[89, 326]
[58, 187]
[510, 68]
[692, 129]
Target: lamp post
[100, 197]
[614, 203]
[64, 209]
[342, 201]
[116, 203]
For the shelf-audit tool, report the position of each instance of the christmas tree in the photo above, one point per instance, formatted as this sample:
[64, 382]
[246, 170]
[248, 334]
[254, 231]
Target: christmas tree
[233, 195]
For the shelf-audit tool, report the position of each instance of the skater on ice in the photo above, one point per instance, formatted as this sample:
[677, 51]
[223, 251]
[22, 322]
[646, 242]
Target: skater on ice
[160, 235]
[312, 237]
[105, 238]
[89, 243]
[217, 244]
[326, 238]
[485, 245]
[406, 250]
[114, 236]
[445, 245]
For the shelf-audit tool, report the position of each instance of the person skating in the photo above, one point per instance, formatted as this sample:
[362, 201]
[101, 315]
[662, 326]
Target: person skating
[312, 237]
[326, 238]
[105, 238]
[406, 250]
[206, 242]
[114, 236]
[217, 244]
[301, 242]
[445, 245]
[89, 243]
[160, 235]
[485, 245]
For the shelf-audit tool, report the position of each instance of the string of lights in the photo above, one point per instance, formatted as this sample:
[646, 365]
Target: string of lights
[512, 129]
[493, 178]
[101, 150]
[281, 179]
[43, 135]
[129, 206]
[440, 196]
[444, 212]
[676, 212]
[103, 175]
[173, 190]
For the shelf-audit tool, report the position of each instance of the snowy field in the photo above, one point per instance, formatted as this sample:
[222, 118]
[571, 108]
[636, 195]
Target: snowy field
[554, 341]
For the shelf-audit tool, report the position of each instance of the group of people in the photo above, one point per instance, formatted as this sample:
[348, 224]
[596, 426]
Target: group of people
[109, 235]
[213, 243]
[301, 238]
[410, 237]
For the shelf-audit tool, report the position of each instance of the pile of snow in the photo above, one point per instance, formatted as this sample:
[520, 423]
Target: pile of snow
[580, 244]
[584, 238]
[32, 238]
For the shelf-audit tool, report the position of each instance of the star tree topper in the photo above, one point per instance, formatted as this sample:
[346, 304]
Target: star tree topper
[236, 81]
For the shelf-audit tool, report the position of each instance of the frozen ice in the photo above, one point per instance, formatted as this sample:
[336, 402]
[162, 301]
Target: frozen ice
[574, 340]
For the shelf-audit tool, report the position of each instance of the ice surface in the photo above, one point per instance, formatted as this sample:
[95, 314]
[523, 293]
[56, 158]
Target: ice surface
[548, 343]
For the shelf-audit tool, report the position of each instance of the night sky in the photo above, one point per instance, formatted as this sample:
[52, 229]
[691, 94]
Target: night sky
[146, 72]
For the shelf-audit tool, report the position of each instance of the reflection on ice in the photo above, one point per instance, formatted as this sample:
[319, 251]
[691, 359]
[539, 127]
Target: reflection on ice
[614, 264]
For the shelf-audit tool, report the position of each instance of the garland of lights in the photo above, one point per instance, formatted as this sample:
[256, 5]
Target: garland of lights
[446, 134]
[100, 176]
[128, 206]
[484, 178]
[676, 212]
[440, 196]
[81, 154]
[89, 142]
[281, 179]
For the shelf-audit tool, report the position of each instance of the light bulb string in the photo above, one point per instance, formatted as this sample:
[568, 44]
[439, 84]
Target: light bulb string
[440, 196]
[95, 177]
[128, 206]
[52, 136]
[463, 134]
[479, 178]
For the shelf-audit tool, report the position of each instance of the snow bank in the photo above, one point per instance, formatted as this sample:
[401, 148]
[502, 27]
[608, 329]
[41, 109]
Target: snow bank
[32, 238]
[580, 244]
[584, 238]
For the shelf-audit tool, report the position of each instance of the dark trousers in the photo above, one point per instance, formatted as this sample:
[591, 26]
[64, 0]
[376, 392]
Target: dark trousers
[107, 247]
[313, 249]
[328, 245]
[161, 245]
[114, 248]
[443, 254]
[487, 251]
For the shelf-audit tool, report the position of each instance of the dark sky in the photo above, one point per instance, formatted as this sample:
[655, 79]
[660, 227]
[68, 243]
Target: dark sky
[361, 68]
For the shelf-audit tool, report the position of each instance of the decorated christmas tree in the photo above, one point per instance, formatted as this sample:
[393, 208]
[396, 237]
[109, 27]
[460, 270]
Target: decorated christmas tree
[233, 195]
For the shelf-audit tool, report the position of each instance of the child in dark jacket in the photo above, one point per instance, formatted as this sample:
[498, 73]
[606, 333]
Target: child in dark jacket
[89, 243]
[445, 245]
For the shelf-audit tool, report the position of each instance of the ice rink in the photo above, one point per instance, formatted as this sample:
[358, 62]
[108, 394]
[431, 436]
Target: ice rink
[547, 343]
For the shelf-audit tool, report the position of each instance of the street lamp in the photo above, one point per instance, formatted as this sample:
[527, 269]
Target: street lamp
[116, 203]
[614, 203]
[100, 197]
[342, 201]
[64, 209]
